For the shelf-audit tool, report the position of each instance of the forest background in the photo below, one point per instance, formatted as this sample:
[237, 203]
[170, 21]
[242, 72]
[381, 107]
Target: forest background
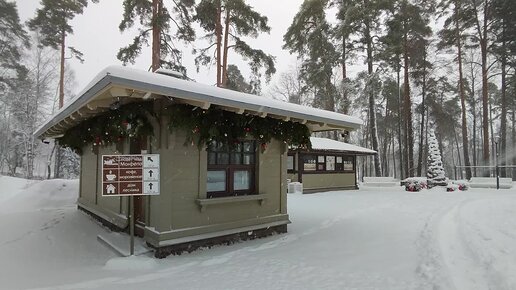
[403, 66]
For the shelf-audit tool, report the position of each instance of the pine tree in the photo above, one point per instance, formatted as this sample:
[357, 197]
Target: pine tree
[365, 19]
[435, 174]
[452, 35]
[342, 33]
[225, 23]
[407, 33]
[156, 21]
[13, 39]
[237, 82]
[52, 21]
[310, 35]
[504, 16]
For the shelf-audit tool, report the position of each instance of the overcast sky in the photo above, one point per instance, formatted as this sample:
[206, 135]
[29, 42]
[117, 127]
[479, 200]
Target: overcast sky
[96, 34]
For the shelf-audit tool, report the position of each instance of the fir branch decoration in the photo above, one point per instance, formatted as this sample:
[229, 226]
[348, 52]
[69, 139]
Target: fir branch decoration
[202, 127]
[129, 121]
[214, 124]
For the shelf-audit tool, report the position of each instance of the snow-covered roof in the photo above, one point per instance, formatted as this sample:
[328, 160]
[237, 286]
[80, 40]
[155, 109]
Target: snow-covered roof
[332, 145]
[122, 84]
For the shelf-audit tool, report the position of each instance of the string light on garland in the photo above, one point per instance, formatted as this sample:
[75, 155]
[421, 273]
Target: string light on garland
[213, 124]
[202, 127]
[128, 121]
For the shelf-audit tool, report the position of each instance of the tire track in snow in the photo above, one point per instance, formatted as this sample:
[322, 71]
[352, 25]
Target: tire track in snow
[485, 245]
[431, 269]
[466, 269]
[454, 253]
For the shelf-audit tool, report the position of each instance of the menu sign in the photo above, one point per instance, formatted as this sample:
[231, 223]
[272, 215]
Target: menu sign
[124, 175]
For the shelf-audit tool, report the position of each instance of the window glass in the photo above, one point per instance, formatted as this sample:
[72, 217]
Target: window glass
[216, 180]
[309, 163]
[241, 180]
[320, 159]
[212, 158]
[230, 169]
[212, 146]
[248, 159]
[237, 148]
[348, 163]
[339, 159]
[236, 158]
[248, 146]
[290, 162]
[223, 158]
[330, 163]
[221, 147]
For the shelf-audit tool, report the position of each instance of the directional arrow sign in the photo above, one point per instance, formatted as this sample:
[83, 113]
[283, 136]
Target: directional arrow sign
[133, 174]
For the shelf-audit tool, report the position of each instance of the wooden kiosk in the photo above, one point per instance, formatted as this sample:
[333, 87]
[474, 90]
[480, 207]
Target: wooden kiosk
[210, 191]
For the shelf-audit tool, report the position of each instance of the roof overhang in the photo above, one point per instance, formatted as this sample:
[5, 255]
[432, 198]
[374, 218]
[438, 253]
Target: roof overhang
[333, 146]
[119, 85]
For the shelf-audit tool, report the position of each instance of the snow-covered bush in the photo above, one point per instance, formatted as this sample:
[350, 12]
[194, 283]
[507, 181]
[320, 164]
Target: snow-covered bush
[435, 173]
[461, 184]
[452, 187]
[415, 183]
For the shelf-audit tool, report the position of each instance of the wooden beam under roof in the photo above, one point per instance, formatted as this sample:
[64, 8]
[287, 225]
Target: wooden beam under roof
[301, 121]
[202, 105]
[85, 112]
[239, 111]
[104, 103]
[119, 92]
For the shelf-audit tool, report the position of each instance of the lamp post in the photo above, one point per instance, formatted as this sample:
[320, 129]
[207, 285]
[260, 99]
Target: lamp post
[496, 140]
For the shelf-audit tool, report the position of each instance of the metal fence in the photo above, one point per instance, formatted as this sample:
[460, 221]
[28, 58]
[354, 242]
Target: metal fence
[485, 171]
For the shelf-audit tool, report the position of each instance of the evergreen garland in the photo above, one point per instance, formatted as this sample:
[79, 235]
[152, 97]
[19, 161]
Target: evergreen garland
[202, 127]
[205, 126]
[129, 121]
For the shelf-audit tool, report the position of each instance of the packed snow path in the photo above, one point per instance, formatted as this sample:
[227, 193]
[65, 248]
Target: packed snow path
[366, 239]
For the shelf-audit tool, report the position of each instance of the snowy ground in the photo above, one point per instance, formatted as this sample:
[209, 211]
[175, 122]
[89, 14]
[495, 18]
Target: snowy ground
[366, 239]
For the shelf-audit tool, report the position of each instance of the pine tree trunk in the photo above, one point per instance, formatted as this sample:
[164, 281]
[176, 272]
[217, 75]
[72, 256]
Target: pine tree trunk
[225, 56]
[465, 145]
[485, 112]
[156, 31]
[57, 162]
[458, 152]
[503, 117]
[514, 133]
[400, 138]
[61, 71]
[422, 127]
[408, 110]
[473, 108]
[393, 157]
[372, 113]
[218, 32]
[49, 162]
[344, 78]
[493, 145]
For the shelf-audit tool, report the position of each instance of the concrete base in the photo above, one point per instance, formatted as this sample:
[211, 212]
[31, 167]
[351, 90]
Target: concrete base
[315, 190]
[189, 247]
[120, 244]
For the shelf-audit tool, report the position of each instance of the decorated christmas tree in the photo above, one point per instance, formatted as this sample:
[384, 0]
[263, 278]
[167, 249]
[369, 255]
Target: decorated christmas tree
[435, 172]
